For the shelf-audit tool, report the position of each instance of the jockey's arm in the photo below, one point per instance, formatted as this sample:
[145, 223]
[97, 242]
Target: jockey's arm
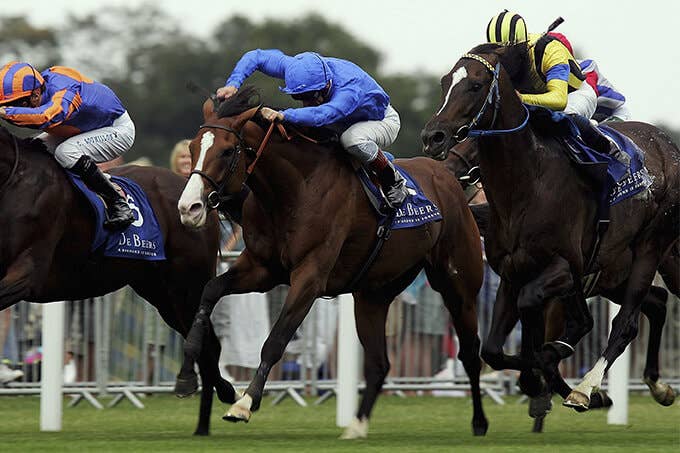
[271, 62]
[555, 66]
[341, 105]
[62, 104]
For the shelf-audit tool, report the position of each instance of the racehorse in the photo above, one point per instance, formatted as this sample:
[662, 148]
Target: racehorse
[543, 229]
[46, 227]
[463, 162]
[307, 223]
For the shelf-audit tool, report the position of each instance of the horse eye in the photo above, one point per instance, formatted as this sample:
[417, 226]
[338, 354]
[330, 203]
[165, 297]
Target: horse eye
[476, 86]
[227, 152]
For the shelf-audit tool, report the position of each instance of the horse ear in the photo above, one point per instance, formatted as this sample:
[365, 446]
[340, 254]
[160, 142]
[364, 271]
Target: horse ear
[208, 109]
[246, 116]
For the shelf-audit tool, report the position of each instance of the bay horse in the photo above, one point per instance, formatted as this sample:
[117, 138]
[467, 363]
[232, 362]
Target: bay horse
[307, 223]
[463, 161]
[543, 216]
[46, 229]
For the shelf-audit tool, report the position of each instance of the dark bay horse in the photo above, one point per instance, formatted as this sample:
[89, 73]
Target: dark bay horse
[46, 229]
[542, 218]
[463, 162]
[307, 223]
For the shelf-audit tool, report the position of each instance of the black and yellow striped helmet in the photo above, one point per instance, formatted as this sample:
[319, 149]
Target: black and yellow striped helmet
[507, 28]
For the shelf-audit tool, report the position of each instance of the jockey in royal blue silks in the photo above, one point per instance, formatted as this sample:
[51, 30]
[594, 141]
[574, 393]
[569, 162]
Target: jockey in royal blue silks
[334, 93]
[83, 122]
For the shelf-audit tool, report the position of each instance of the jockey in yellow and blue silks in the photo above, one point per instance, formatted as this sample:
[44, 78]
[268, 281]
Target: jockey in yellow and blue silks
[335, 93]
[554, 74]
[83, 123]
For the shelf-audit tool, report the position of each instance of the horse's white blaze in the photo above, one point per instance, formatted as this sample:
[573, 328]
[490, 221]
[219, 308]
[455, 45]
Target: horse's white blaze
[593, 378]
[193, 192]
[456, 77]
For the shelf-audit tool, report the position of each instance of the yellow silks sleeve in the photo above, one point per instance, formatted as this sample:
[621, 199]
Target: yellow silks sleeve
[555, 98]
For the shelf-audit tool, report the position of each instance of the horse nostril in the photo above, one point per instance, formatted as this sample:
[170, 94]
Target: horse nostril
[438, 138]
[195, 208]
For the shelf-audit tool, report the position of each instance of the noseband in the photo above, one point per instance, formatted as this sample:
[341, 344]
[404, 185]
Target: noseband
[492, 98]
[216, 197]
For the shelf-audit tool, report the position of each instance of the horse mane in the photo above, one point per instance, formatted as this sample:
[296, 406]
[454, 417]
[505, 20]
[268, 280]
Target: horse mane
[513, 57]
[31, 143]
[245, 98]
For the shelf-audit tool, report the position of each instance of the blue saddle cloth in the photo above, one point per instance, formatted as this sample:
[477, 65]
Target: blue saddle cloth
[416, 210]
[624, 181]
[142, 240]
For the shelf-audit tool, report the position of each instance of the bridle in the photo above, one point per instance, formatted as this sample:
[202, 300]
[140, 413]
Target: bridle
[473, 174]
[14, 166]
[493, 97]
[217, 197]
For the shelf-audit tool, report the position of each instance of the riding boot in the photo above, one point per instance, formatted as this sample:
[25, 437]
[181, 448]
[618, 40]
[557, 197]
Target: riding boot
[118, 213]
[392, 182]
[592, 136]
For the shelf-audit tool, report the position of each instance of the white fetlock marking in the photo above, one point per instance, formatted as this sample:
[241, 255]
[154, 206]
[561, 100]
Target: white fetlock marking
[245, 402]
[357, 429]
[593, 378]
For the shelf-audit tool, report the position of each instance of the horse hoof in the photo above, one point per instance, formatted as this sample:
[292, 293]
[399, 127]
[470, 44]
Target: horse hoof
[540, 405]
[357, 429]
[480, 429]
[599, 400]
[577, 400]
[662, 392]
[186, 387]
[237, 414]
[201, 432]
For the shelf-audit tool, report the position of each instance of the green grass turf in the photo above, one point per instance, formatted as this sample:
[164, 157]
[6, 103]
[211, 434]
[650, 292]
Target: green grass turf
[412, 424]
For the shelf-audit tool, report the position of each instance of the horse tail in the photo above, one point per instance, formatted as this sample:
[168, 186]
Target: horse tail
[481, 214]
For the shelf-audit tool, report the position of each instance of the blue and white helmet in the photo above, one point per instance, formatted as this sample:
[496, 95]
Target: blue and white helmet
[307, 72]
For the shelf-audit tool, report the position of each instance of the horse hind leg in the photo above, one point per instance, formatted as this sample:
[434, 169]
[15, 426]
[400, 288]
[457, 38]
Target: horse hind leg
[370, 313]
[461, 302]
[654, 308]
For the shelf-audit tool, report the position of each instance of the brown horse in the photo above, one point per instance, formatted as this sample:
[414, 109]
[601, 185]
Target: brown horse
[308, 224]
[46, 228]
[463, 162]
[543, 230]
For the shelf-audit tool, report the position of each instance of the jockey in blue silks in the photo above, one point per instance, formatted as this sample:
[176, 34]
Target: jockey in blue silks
[335, 93]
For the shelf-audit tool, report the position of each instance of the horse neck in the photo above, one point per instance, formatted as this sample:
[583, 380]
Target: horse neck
[509, 162]
[281, 171]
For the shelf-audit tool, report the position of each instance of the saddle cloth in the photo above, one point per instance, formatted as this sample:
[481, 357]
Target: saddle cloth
[626, 173]
[416, 210]
[142, 240]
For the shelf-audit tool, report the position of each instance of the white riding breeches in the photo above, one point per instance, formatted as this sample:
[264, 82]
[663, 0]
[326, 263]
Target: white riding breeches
[101, 145]
[582, 101]
[364, 139]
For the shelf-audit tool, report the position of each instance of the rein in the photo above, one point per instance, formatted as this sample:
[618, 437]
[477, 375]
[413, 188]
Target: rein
[14, 166]
[492, 98]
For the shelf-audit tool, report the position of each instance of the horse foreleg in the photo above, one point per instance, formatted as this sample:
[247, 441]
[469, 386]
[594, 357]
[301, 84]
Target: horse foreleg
[246, 275]
[305, 287]
[370, 314]
[654, 308]
[503, 320]
[624, 326]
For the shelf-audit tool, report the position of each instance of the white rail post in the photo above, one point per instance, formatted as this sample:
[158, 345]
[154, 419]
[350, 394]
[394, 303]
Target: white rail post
[52, 375]
[617, 378]
[348, 362]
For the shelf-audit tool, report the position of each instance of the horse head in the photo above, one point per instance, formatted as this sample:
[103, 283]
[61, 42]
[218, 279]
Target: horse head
[471, 94]
[219, 155]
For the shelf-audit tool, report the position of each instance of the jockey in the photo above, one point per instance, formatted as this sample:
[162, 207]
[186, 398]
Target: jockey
[611, 104]
[335, 93]
[553, 73]
[83, 123]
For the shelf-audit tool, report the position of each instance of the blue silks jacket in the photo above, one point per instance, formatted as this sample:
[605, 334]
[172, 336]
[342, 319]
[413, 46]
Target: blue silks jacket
[354, 95]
